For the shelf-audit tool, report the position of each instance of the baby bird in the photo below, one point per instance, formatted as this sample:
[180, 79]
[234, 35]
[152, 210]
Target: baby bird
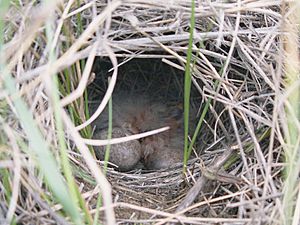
[137, 114]
[165, 149]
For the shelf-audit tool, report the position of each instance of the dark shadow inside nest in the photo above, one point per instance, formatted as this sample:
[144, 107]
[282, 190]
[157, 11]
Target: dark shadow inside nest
[148, 95]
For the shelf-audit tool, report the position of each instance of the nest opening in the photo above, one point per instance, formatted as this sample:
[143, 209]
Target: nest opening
[149, 95]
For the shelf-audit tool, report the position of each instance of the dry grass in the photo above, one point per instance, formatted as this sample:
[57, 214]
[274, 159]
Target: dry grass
[48, 175]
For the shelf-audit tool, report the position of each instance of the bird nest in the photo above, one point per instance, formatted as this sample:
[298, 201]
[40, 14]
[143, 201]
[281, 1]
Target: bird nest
[67, 59]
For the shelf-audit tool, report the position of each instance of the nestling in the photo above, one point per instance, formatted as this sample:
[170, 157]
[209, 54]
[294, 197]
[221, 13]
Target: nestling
[133, 115]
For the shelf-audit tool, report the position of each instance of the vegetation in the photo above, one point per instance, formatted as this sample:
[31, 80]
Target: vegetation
[241, 65]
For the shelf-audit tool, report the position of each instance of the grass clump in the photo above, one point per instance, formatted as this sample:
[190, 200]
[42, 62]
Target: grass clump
[243, 83]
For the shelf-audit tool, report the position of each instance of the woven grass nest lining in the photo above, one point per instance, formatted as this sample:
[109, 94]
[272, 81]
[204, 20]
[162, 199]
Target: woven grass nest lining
[240, 114]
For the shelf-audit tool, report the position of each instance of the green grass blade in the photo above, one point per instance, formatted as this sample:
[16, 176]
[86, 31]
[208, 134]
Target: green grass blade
[40, 150]
[187, 86]
[292, 108]
[109, 134]
[106, 157]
